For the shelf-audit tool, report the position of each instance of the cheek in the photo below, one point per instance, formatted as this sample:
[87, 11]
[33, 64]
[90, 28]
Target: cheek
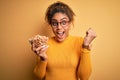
[67, 29]
[54, 30]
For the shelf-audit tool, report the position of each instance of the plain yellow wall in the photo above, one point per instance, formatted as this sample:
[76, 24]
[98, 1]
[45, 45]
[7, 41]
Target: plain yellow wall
[22, 19]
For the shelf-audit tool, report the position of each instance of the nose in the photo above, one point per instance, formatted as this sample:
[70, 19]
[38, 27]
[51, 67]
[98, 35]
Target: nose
[59, 26]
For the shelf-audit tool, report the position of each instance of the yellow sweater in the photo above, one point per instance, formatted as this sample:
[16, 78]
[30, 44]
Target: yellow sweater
[67, 60]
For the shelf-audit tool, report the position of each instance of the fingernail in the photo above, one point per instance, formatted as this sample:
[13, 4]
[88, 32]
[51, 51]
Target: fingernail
[43, 46]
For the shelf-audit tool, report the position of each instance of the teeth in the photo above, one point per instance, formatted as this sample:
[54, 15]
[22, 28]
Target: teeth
[60, 32]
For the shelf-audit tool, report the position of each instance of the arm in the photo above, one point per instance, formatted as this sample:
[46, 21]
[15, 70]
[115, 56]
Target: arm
[40, 68]
[39, 46]
[84, 69]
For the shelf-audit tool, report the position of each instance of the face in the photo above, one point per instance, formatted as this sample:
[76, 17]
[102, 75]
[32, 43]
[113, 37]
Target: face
[60, 26]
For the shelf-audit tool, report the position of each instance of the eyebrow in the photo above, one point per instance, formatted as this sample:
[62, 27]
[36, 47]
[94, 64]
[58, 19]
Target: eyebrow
[60, 19]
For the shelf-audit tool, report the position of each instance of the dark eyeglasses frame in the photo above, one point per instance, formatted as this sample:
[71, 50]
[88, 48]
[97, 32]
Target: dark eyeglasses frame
[55, 26]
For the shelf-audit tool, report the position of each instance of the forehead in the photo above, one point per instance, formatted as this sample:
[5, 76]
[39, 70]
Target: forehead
[60, 16]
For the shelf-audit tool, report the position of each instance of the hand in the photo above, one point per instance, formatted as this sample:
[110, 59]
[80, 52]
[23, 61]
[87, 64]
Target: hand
[90, 36]
[40, 51]
[39, 46]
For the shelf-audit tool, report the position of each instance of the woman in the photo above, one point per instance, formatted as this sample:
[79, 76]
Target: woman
[67, 57]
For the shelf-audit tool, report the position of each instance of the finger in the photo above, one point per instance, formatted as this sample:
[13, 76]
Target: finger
[33, 47]
[88, 31]
[43, 56]
[40, 47]
[36, 50]
[43, 50]
[41, 53]
[91, 33]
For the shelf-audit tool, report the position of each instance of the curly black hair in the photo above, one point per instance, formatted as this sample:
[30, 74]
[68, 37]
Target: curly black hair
[59, 7]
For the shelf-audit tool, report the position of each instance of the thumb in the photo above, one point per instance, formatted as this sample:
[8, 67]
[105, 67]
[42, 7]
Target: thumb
[87, 32]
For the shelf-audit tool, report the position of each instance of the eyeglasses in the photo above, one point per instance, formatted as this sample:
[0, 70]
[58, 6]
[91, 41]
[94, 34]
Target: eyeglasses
[55, 24]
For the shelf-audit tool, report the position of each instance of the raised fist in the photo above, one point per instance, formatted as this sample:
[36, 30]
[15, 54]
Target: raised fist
[90, 36]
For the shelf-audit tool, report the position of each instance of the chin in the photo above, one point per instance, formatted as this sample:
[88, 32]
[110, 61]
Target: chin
[60, 39]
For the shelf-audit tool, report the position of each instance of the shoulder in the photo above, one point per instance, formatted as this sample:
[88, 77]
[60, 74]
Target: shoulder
[51, 40]
[77, 38]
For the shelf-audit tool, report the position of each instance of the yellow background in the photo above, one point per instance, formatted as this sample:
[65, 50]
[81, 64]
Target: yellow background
[22, 19]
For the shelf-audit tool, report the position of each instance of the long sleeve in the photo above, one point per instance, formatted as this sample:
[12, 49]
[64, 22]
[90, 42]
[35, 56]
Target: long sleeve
[84, 69]
[40, 68]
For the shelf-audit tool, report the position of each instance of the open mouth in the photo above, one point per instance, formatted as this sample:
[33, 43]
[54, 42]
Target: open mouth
[60, 34]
